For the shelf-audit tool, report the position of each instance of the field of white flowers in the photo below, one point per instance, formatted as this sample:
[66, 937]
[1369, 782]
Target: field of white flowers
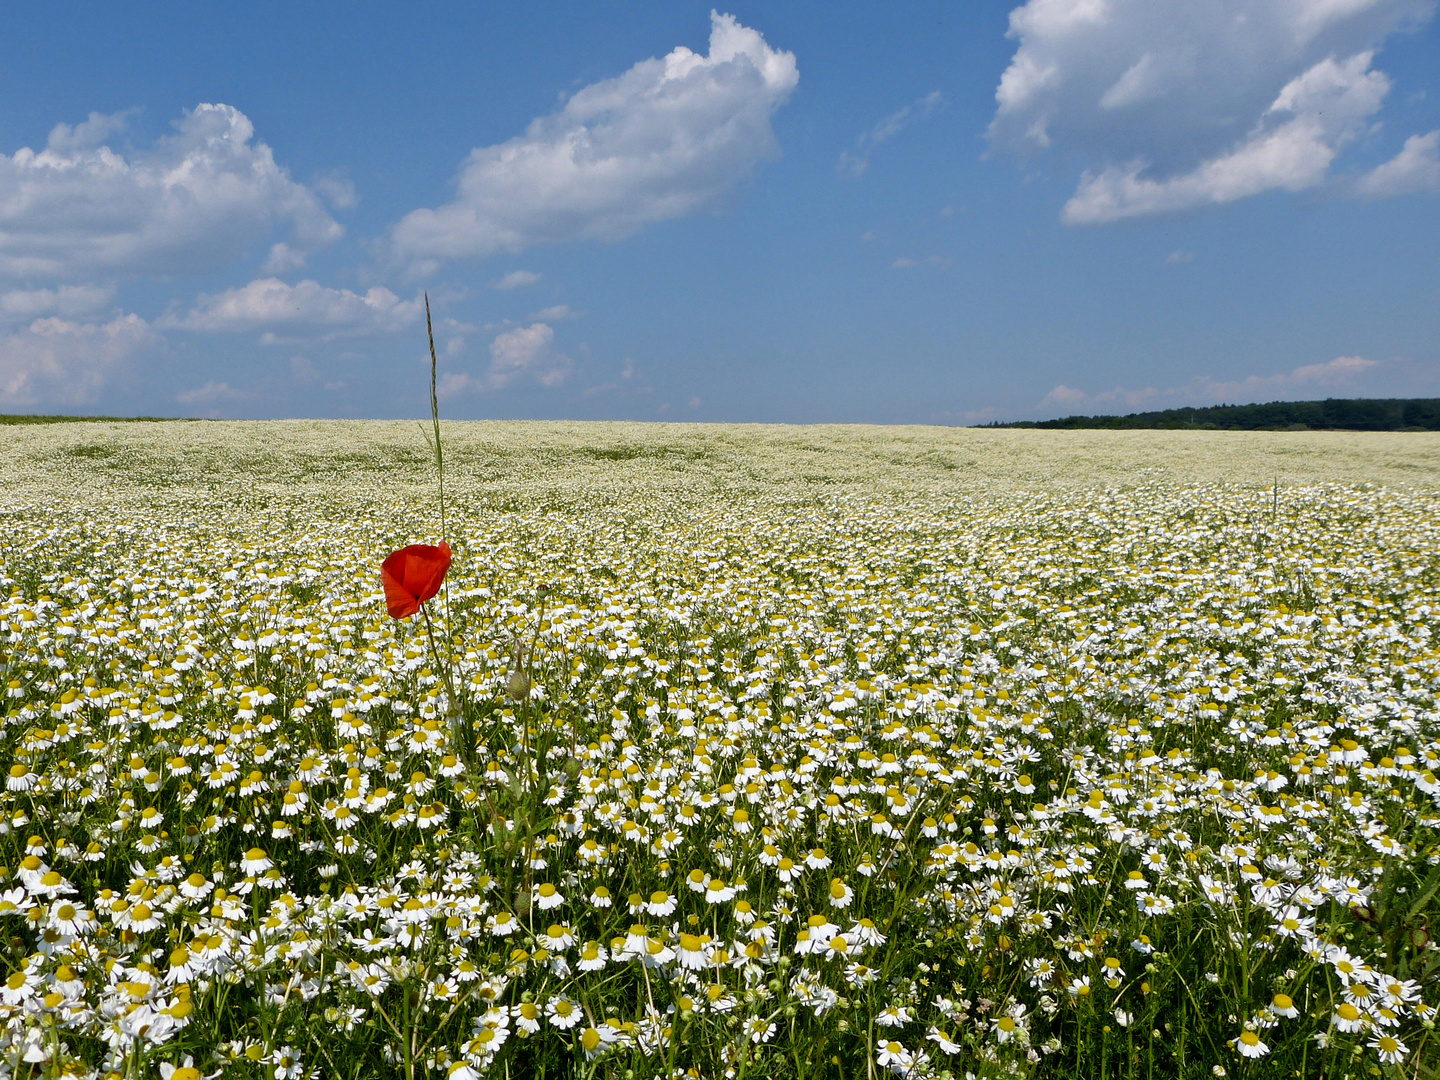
[739, 752]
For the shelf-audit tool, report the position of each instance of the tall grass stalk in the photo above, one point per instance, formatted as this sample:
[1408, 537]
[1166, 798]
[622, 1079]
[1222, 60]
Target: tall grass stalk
[455, 709]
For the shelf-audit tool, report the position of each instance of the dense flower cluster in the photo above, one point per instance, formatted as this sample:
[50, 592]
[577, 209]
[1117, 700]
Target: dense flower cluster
[1021, 785]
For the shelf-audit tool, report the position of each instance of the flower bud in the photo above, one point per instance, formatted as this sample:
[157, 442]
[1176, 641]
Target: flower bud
[519, 685]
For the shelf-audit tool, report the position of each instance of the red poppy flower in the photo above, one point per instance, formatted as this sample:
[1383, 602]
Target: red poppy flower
[413, 575]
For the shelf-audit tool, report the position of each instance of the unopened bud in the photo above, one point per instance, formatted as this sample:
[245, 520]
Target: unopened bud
[519, 685]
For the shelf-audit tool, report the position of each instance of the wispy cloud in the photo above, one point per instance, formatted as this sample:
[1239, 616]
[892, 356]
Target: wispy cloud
[858, 161]
[212, 394]
[940, 262]
[67, 301]
[1344, 373]
[517, 279]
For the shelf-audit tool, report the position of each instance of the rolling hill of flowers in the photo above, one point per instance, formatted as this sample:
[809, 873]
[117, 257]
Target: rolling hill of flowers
[695, 767]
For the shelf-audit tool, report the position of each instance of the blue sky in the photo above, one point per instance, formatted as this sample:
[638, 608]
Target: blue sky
[921, 213]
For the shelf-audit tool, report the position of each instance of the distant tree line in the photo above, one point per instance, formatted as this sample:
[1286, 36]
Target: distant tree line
[1332, 414]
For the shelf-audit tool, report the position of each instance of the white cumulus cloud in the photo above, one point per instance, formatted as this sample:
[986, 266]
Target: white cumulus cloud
[1292, 147]
[668, 138]
[195, 201]
[56, 362]
[520, 354]
[307, 307]
[1172, 106]
[1415, 169]
[527, 352]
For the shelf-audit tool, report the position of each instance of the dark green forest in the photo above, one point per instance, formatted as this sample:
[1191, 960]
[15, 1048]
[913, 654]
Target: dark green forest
[1332, 414]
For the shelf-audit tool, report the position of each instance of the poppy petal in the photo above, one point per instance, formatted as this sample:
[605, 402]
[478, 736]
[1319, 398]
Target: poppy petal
[412, 575]
[400, 602]
[425, 571]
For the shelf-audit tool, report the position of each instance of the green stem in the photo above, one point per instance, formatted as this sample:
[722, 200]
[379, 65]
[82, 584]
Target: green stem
[405, 1037]
[435, 416]
[459, 732]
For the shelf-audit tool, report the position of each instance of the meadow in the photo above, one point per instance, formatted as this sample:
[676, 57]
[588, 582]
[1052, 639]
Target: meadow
[736, 752]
